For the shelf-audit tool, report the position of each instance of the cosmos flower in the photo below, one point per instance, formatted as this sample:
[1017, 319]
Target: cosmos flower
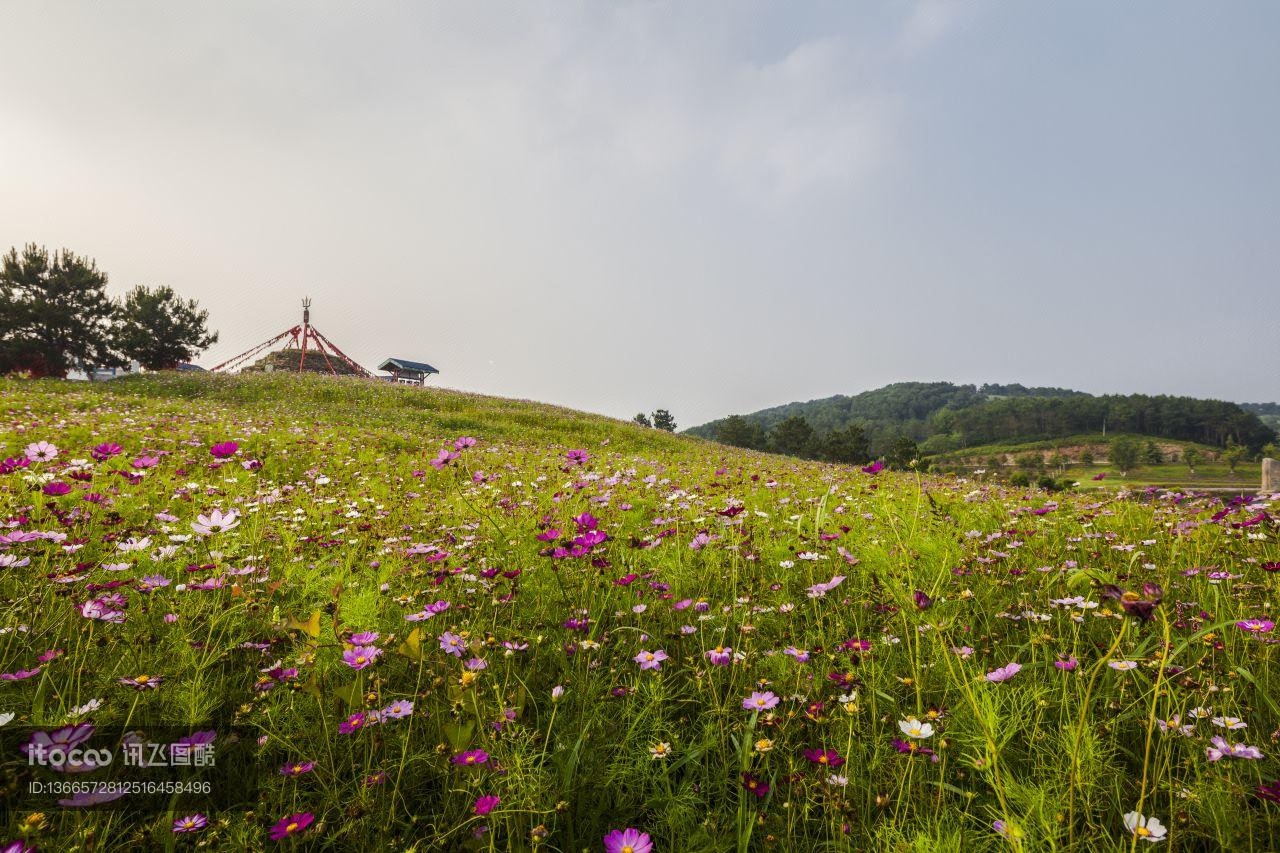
[758, 701]
[216, 522]
[578, 457]
[190, 823]
[360, 656]
[628, 841]
[755, 785]
[1139, 604]
[818, 590]
[1004, 673]
[353, 723]
[224, 449]
[41, 451]
[143, 682]
[485, 804]
[1256, 626]
[720, 655]
[297, 768]
[825, 757]
[291, 825]
[106, 450]
[471, 758]
[397, 710]
[452, 644]
[650, 660]
[911, 727]
[1146, 828]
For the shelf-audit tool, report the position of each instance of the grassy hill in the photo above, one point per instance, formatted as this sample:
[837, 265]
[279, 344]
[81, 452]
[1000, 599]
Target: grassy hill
[413, 619]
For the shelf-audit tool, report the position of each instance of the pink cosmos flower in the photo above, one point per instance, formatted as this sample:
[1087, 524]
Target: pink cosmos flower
[825, 757]
[297, 768]
[1004, 673]
[1256, 626]
[41, 451]
[359, 657]
[650, 660]
[818, 590]
[578, 457]
[190, 823]
[216, 522]
[628, 841]
[758, 701]
[720, 655]
[464, 442]
[486, 804]
[443, 458]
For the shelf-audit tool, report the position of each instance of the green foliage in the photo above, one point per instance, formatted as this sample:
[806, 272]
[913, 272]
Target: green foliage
[1124, 453]
[55, 315]
[1151, 455]
[1191, 457]
[159, 329]
[737, 431]
[1086, 458]
[793, 437]
[903, 454]
[643, 420]
[1234, 455]
[663, 420]
[848, 446]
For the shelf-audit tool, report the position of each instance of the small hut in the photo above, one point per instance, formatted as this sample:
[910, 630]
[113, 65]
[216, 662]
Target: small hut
[407, 372]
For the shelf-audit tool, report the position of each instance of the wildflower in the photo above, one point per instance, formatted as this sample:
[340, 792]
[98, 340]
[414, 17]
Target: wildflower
[1146, 828]
[1270, 792]
[1256, 626]
[353, 724]
[755, 785]
[291, 825]
[578, 457]
[224, 449]
[486, 804]
[764, 745]
[922, 600]
[1067, 665]
[361, 656]
[106, 450]
[720, 655]
[818, 590]
[557, 692]
[801, 655]
[297, 768]
[397, 710]
[464, 442]
[758, 701]
[41, 451]
[911, 727]
[660, 751]
[102, 610]
[1123, 665]
[190, 823]
[364, 638]
[452, 643]
[143, 682]
[627, 840]
[471, 758]
[1134, 603]
[1221, 749]
[1004, 673]
[216, 522]
[1230, 723]
[837, 780]
[825, 757]
[650, 660]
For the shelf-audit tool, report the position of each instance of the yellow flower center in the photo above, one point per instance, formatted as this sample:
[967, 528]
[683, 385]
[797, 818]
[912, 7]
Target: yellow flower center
[1142, 832]
[915, 731]
[293, 827]
[627, 848]
[142, 679]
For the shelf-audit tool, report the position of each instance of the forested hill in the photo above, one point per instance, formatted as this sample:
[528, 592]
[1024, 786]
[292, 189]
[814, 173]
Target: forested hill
[944, 416]
[1268, 413]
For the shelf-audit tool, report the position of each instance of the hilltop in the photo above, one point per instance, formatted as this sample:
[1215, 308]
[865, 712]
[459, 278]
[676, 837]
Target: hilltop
[942, 417]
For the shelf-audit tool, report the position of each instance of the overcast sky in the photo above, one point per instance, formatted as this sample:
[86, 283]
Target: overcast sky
[708, 207]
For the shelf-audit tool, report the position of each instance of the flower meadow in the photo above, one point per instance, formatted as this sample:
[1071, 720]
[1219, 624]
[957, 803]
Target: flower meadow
[444, 622]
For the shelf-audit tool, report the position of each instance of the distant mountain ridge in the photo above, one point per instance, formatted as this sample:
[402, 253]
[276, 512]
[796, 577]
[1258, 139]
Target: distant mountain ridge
[943, 416]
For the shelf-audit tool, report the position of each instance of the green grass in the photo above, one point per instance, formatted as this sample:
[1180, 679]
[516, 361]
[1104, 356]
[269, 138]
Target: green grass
[347, 527]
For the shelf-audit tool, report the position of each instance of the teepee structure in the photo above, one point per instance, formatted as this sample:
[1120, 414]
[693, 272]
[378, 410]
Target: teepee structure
[306, 350]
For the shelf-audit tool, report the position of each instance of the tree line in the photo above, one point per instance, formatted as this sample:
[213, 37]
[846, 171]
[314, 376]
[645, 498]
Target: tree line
[56, 316]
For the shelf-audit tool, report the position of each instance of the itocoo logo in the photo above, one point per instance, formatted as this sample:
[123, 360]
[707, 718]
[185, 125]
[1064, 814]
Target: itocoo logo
[59, 756]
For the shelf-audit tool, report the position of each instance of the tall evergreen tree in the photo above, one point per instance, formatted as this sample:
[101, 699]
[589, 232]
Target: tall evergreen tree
[159, 329]
[55, 314]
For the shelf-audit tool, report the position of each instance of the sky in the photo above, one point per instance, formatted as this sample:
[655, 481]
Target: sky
[709, 207]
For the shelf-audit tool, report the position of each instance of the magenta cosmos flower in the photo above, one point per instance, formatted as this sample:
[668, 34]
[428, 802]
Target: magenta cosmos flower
[650, 660]
[486, 804]
[758, 701]
[291, 825]
[825, 757]
[1255, 626]
[224, 449]
[628, 841]
[720, 655]
[471, 758]
[106, 450]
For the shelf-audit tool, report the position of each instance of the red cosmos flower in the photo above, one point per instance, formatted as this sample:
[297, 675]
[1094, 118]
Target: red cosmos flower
[759, 787]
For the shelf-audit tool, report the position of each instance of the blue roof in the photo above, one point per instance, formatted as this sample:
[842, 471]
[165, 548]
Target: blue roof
[405, 364]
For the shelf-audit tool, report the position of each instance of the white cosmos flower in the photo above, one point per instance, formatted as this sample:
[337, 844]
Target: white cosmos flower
[215, 522]
[6, 717]
[1146, 828]
[911, 727]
